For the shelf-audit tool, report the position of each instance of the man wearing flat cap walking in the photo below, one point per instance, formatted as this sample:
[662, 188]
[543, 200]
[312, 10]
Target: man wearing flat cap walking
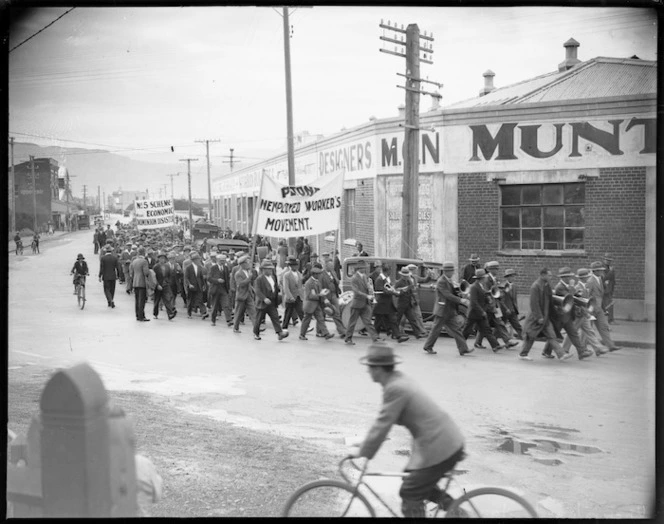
[437, 440]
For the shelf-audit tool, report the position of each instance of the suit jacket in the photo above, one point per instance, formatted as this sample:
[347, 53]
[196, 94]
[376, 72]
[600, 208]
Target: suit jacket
[540, 308]
[264, 290]
[243, 280]
[408, 296]
[163, 274]
[469, 272]
[595, 291]
[109, 267]
[215, 273]
[292, 284]
[436, 436]
[191, 278]
[609, 281]
[312, 297]
[445, 294]
[384, 304]
[175, 272]
[330, 281]
[510, 300]
[139, 272]
[478, 301]
[360, 285]
[561, 290]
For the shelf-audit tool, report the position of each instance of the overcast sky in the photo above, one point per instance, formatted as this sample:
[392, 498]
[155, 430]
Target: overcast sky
[148, 78]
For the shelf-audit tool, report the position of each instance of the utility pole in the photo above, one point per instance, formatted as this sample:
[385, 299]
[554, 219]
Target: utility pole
[172, 193]
[12, 189]
[289, 115]
[410, 209]
[189, 161]
[231, 161]
[34, 193]
[85, 200]
[67, 218]
[99, 198]
[207, 151]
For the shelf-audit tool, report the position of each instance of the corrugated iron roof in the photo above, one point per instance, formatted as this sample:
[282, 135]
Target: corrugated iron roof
[597, 78]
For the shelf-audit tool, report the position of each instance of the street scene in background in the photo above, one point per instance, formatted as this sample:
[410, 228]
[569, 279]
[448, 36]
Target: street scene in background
[406, 273]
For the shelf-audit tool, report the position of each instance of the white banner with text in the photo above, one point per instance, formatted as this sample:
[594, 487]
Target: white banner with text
[153, 214]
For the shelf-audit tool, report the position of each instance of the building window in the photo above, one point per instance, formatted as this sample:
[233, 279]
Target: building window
[543, 216]
[349, 223]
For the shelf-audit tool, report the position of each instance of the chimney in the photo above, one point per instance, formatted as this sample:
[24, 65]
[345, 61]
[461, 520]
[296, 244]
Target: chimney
[402, 111]
[570, 56]
[435, 103]
[488, 82]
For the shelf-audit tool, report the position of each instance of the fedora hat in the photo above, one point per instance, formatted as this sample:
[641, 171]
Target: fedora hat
[404, 271]
[267, 264]
[492, 265]
[361, 264]
[582, 272]
[448, 266]
[195, 255]
[242, 259]
[162, 254]
[565, 272]
[608, 256]
[474, 258]
[479, 273]
[509, 272]
[292, 261]
[597, 266]
[412, 267]
[315, 270]
[379, 355]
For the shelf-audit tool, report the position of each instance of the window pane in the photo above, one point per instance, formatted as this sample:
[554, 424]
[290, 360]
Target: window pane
[531, 239]
[511, 217]
[552, 194]
[553, 239]
[531, 217]
[531, 194]
[575, 193]
[574, 216]
[573, 238]
[553, 216]
[511, 239]
[511, 195]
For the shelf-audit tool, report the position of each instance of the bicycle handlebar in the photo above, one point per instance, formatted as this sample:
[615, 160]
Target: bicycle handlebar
[349, 458]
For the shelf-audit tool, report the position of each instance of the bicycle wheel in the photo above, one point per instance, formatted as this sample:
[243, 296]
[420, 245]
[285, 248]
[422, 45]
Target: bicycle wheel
[327, 498]
[491, 503]
[81, 296]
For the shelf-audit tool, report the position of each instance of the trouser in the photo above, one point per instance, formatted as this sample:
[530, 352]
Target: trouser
[140, 298]
[196, 302]
[220, 303]
[409, 313]
[609, 311]
[320, 322]
[483, 329]
[586, 333]
[420, 318]
[387, 322]
[550, 345]
[125, 273]
[270, 311]
[498, 328]
[165, 295]
[513, 320]
[109, 290]
[572, 334]
[453, 327]
[96, 248]
[242, 306]
[292, 310]
[365, 314]
[127, 279]
[336, 314]
[602, 326]
[422, 484]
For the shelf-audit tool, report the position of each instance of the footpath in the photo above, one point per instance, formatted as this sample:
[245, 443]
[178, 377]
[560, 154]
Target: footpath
[27, 240]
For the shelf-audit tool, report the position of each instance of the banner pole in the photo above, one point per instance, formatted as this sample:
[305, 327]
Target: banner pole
[343, 179]
[255, 224]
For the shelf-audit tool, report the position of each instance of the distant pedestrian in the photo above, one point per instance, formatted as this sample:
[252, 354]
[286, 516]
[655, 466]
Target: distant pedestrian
[360, 250]
[95, 241]
[109, 271]
[139, 272]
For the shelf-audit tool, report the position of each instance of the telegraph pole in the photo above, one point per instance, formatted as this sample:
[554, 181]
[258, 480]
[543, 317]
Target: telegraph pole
[207, 151]
[231, 161]
[99, 197]
[189, 161]
[289, 115]
[172, 193]
[34, 193]
[410, 209]
[12, 189]
[85, 200]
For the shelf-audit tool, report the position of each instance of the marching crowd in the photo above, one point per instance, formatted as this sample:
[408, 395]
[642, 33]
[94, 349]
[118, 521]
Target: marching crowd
[156, 265]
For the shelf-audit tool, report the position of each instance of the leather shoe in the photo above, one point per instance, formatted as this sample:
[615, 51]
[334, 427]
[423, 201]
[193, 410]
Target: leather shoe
[430, 351]
[547, 355]
[145, 320]
[205, 316]
[302, 337]
[479, 346]
[601, 351]
[498, 348]
[112, 304]
[585, 354]
[236, 331]
[283, 335]
[615, 348]
[329, 336]
[403, 338]
[525, 357]
[469, 350]
[566, 356]
[256, 337]
[512, 343]
[349, 342]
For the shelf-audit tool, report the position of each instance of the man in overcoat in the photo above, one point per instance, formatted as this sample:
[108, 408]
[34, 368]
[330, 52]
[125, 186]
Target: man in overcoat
[244, 292]
[194, 279]
[218, 282]
[595, 285]
[384, 310]
[267, 293]
[109, 271]
[163, 291]
[566, 319]
[361, 304]
[314, 295]
[477, 311]
[139, 272]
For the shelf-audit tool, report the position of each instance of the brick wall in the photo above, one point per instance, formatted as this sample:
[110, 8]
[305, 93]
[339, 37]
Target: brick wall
[614, 220]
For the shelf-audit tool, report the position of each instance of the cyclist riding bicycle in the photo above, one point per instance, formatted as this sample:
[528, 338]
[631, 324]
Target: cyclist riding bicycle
[17, 239]
[437, 441]
[79, 270]
[35, 239]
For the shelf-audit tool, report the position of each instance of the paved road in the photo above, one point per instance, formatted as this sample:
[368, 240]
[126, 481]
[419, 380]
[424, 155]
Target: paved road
[317, 390]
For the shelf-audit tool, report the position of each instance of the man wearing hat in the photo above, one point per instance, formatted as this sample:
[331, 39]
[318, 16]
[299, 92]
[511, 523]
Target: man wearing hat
[609, 286]
[493, 309]
[429, 277]
[79, 270]
[139, 272]
[595, 285]
[306, 272]
[267, 293]
[446, 313]
[437, 440]
[584, 316]
[314, 298]
[176, 276]
[163, 291]
[470, 268]
[384, 310]
[195, 282]
[109, 271]
[244, 292]
[362, 303]
[293, 292]
[510, 304]
[538, 321]
[328, 280]
[125, 260]
[235, 267]
[407, 301]
[567, 319]
[218, 284]
[211, 260]
[477, 315]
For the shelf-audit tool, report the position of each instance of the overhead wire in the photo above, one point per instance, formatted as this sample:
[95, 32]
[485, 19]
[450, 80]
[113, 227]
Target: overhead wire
[42, 29]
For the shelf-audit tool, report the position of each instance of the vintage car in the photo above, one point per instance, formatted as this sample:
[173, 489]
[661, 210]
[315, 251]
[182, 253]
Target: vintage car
[224, 244]
[202, 230]
[429, 272]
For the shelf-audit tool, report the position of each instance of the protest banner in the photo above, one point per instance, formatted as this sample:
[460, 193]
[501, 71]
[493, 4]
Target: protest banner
[154, 214]
[293, 211]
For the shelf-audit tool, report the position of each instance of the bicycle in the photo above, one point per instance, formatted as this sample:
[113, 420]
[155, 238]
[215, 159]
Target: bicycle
[80, 291]
[19, 248]
[330, 498]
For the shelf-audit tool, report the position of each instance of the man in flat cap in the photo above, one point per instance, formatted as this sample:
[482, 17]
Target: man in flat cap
[163, 291]
[267, 293]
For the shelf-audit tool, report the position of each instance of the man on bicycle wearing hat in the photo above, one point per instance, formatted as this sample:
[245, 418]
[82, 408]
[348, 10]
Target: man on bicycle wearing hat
[437, 440]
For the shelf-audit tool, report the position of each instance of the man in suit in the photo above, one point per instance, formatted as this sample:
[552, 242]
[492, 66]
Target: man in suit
[609, 286]
[267, 293]
[595, 285]
[417, 311]
[125, 260]
[293, 292]
[477, 315]
[493, 309]
[163, 291]
[583, 318]
[446, 313]
[218, 280]
[139, 273]
[194, 278]
[314, 297]
[101, 238]
[469, 269]
[437, 440]
[306, 272]
[235, 267]
[510, 304]
[244, 293]
[567, 319]
[180, 260]
[109, 271]
[176, 276]
[539, 318]
[328, 280]
[384, 310]
[361, 304]
[407, 301]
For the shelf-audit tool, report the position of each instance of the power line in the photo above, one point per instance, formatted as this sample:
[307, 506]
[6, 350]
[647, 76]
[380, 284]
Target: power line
[49, 25]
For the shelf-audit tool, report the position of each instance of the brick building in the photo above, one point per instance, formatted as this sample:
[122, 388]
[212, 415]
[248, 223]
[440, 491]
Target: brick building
[553, 171]
[46, 190]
